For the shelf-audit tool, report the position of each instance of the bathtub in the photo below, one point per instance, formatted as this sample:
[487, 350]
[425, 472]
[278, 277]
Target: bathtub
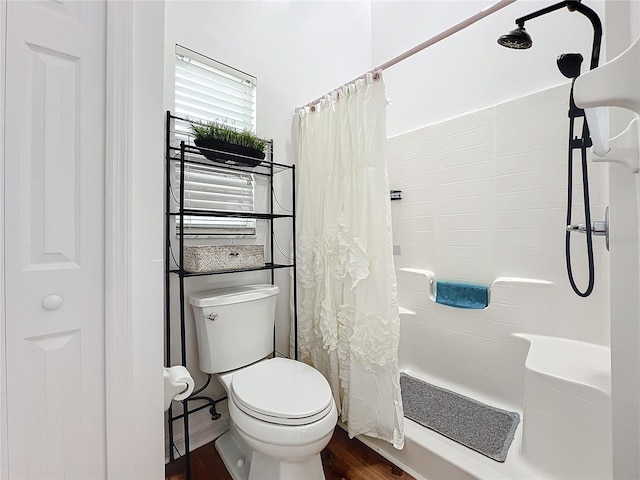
[560, 387]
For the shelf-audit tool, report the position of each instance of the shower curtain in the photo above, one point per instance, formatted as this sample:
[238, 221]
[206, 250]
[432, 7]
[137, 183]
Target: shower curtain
[348, 321]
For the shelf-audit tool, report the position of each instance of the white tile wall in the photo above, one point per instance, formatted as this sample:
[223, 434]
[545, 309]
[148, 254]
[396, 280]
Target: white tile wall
[483, 196]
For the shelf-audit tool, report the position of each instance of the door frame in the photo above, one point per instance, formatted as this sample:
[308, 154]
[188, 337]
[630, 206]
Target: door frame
[4, 452]
[118, 321]
[134, 267]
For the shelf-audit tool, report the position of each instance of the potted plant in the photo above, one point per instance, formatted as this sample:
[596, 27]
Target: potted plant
[218, 141]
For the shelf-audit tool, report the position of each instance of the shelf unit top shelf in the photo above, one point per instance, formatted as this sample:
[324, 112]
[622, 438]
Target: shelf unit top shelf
[192, 154]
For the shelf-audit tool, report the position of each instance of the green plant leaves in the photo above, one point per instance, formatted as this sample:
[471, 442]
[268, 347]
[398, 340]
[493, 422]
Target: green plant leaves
[224, 133]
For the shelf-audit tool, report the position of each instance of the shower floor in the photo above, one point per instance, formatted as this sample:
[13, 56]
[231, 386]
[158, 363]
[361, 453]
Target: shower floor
[427, 455]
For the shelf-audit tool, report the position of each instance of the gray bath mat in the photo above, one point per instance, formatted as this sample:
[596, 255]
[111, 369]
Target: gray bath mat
[485, 429]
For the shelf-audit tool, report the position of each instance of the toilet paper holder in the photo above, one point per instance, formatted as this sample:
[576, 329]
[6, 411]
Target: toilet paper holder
[183, 391]
[178, 384]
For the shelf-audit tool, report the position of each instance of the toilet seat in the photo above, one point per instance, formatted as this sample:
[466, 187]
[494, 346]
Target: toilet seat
[282, 391]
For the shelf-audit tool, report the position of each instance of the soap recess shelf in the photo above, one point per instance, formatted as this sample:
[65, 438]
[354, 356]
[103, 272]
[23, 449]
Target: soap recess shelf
[431, 281]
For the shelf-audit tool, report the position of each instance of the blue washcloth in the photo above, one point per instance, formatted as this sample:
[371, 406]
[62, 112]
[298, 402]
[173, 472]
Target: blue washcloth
[462, 295]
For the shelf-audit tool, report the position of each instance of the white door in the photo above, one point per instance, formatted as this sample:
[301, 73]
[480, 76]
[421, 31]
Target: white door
[54, 239]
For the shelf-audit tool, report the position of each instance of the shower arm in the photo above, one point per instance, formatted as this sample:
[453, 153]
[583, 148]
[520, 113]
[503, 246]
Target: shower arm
[574, 5]
[520, 39]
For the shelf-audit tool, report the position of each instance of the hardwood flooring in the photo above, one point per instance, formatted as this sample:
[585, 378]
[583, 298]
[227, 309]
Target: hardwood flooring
[350, 459]
[343, 459]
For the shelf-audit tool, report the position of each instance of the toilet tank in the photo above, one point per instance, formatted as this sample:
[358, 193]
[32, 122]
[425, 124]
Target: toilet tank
[234, 326]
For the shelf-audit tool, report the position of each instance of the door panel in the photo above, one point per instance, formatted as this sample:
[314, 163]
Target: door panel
[50, 183]
[54, 239]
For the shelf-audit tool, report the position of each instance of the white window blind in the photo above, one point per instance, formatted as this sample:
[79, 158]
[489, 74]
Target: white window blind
[210, 188]
[206, 90]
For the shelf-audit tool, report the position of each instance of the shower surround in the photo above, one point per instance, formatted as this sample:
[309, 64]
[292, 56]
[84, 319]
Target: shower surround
[483, 199]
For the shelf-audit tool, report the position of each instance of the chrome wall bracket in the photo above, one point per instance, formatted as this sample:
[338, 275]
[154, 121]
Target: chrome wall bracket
[598, 228]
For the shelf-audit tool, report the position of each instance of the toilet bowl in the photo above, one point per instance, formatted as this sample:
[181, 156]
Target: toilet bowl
[282, 411]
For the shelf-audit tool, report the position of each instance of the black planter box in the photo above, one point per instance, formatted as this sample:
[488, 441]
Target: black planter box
[229, 153]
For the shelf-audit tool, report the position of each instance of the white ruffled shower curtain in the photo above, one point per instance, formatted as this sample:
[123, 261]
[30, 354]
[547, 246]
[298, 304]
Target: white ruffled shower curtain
[348, 320]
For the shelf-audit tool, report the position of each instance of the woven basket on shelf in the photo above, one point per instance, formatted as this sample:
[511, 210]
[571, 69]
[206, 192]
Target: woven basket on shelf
[215, 258]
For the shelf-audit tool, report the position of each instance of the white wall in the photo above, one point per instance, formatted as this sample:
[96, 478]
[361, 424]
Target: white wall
[522, 144]
[469, 70]
[484, 197]
[622, 23]
[298, 51]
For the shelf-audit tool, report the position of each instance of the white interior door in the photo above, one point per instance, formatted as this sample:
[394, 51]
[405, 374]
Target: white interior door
[54, 239]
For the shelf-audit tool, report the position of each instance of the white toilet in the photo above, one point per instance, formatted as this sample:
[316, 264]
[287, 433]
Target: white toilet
[282, 411]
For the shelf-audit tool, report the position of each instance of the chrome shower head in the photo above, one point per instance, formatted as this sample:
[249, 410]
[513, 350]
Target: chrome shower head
[518, 38]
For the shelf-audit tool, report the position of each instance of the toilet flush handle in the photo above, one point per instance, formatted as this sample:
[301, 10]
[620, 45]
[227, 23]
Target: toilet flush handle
[213, 316]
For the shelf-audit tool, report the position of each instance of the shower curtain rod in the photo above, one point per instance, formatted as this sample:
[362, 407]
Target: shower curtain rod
[427, 43]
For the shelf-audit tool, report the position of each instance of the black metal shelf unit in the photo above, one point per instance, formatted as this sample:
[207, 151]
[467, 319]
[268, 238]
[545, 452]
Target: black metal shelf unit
[179, 148]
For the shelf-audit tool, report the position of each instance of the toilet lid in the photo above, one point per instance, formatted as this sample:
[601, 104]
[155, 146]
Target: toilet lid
[282, 391]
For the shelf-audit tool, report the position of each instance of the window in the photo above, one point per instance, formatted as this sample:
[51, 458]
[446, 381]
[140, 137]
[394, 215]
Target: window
[210, 188]
[209, 90]
[206, 90]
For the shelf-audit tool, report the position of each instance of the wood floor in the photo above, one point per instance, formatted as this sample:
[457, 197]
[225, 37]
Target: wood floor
[343, 459]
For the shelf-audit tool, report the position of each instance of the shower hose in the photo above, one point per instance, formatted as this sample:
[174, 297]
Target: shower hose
[579, 143]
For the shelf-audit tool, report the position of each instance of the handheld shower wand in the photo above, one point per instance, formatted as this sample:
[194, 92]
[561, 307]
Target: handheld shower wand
[569, 65]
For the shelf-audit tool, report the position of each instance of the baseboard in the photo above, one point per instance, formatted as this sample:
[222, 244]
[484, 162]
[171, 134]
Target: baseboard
[200, 433]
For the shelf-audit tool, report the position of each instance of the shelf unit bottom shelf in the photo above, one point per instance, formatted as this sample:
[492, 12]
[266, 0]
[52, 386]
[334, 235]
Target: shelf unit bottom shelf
[267, 266]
